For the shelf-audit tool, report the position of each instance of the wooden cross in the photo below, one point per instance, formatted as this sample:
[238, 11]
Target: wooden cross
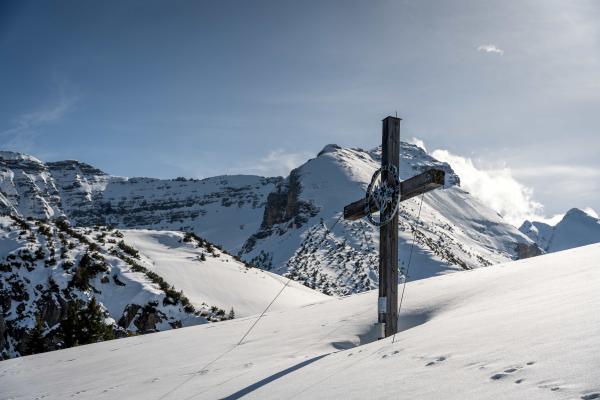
[388, 233]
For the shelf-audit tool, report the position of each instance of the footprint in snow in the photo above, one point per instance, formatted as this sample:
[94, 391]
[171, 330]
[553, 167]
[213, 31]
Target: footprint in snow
[552, 385]
[113, 388]
[436, 361]
[511, 370]
[392, 354]
[506, 373]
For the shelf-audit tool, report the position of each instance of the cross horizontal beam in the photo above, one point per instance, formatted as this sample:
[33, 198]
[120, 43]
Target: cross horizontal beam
[418, 184]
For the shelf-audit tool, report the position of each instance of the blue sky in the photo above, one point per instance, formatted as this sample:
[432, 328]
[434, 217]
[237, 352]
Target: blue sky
[198, 88]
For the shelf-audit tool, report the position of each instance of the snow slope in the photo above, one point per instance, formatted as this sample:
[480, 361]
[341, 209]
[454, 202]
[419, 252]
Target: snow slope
[218, 281]
[522, 330]
[168, 282]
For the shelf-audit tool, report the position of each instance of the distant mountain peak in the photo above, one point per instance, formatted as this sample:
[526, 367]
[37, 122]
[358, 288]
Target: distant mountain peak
[578, 213]
[576, 228]
[330, 148]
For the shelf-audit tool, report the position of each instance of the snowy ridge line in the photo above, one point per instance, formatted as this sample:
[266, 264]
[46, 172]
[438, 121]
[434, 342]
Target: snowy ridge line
[273, 223]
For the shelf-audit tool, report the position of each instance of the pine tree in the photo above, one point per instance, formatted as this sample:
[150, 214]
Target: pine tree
[93, 328]
[69, 326]
[231, 314]
[84, 325]
[36, 337]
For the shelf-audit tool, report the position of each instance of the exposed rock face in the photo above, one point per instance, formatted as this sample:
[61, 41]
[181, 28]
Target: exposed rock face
[144, 319]
[526, 250]
[52, 308]
[285, 204]
[128, 315]
[284, 207]
[147, 318]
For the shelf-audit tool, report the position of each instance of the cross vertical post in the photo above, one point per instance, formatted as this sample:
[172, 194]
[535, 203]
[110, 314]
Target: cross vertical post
[388, 239]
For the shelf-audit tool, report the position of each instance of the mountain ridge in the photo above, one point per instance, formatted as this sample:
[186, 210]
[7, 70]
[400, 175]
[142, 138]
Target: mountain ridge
[276, 223]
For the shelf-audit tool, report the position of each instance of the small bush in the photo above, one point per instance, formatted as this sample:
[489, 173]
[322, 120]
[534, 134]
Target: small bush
[129, 250]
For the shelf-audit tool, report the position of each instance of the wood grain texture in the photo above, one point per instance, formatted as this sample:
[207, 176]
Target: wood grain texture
[388, 233]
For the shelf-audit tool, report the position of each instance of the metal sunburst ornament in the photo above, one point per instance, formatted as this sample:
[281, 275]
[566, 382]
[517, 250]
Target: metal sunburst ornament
[385, 194]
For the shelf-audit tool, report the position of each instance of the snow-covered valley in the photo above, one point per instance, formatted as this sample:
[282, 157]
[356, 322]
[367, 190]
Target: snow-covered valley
[524, 329]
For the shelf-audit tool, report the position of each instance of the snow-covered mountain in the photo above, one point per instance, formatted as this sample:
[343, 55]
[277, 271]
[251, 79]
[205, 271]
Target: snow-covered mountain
[576, 228]
[275, 223]
[87, 197]
[523, 330]
[302, 235]
[139, 282]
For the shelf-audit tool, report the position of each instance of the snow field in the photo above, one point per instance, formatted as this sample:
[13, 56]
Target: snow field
[526, 329]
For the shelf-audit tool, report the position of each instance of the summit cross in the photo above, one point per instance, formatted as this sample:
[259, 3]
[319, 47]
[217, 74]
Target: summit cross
[388, 207]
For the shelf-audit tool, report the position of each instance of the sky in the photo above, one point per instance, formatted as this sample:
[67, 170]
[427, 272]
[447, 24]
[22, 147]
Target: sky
[506, 91]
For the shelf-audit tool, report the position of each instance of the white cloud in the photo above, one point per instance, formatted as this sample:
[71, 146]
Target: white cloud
[553, 220]
[418, 142]
[490, 48]
[591, 211]
[496, 188]
[278, 162]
